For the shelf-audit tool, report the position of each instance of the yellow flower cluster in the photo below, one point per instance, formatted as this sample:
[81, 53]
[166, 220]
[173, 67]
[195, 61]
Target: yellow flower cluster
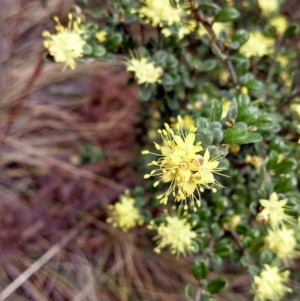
[271, 284]
[181, 164]
[67, 44]
[257, 44]
[144, 70]
[280, 23]
[255, 161]
[175, 233]
[280, 239]
[273, 211]
[268, 7]
[283, 242]
[124, 214]
[295, 107]
[161, 13]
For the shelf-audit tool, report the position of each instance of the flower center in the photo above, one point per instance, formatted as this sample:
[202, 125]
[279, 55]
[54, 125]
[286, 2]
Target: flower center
[199, 160]
[184, 165]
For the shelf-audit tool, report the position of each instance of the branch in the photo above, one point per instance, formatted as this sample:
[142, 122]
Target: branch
[289, 99]
[198, 16]
[240, 244]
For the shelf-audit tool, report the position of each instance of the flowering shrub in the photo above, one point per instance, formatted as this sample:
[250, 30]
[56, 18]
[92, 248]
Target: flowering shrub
[229, 162]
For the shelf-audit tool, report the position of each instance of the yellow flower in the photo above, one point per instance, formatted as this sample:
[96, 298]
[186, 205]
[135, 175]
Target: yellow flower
[283, 242]
[280, 23]
[161, 12]
[181, 164]
[268, 6]
[183, 31]
[67, 44]
[257, 44]
[235, 148]
[186, 121]
[124, 214]
[176, 233]
[295, 107]
[255, 161]
[283, 60]
[101, 36]
[244, 90]
[166, 32]
[145, 71]
[274, 211]
[225, 107]
[219, 26]
[270, 285]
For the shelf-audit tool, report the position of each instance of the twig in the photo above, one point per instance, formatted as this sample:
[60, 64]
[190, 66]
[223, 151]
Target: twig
[288, 100]
[221, 47]
[40, 262]
[272, 66]
[240, 245]
[159, 38]
[198, 294]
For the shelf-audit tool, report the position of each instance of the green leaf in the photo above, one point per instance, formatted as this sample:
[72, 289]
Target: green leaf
[173, 104]
[227, 14]
[291, 31]
[113, 42]
[232, 113]
[189, 292]
[264, 123]
[200, 268]
[167, 80]
[82, 3]
[286, 183]
[272, 159]
[253, 270]
[266, 189]
[248, 115]
[216, 110]
[285, 166]
[202, 122]
[255, 84]
[234, 45]
[87, 49]
[223, 251]
[160, 58]
[270, 31]
[95, 13]
[218, 135]
[295, 79]
[217, 51]
[266, 257]
[172, 62]
[48, 58]
[205, 136]
[217, 231]
[250, 138]
[98, 51]
[217, 285]
[145, 92]
[243, 100]
[234, 134]
[207, 65]
[241, 36]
